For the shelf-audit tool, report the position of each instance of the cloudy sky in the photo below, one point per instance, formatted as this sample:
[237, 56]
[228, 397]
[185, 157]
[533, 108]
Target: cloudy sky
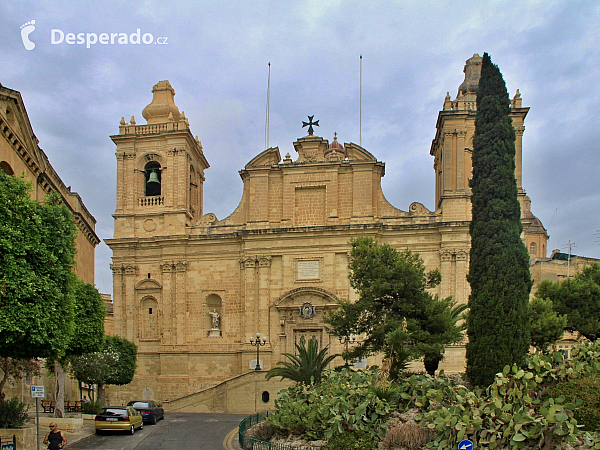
[216, 55]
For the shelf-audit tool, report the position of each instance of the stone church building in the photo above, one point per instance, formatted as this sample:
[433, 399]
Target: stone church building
[191, 289]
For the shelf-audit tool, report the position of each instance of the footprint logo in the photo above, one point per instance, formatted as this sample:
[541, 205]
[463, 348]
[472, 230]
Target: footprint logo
[26, 30]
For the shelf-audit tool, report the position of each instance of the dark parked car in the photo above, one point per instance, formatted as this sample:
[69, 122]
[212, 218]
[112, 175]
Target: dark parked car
[150, 410]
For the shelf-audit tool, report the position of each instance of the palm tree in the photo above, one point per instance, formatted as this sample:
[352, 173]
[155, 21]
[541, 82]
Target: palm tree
[450, 313]
[306, 367]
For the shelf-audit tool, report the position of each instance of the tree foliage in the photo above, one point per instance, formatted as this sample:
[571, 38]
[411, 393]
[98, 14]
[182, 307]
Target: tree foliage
[16, 369]
[547, 326]
[305, 367]
[124, 367]
[115, 364]
[37, 248]
[578, 299]
[498, 325]
[395, 313]
[90, 312]
[93, 368]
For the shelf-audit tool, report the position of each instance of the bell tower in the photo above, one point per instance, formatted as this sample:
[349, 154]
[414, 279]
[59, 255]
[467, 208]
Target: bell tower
[452, 149]
[160, 171]
[453, 145]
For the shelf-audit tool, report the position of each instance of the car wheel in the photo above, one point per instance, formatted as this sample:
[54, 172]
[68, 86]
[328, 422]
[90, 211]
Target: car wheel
[153, 419]
[142, 425]
[132, 430]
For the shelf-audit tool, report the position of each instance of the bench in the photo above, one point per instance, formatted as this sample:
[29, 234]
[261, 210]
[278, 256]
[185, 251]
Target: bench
[48, 406]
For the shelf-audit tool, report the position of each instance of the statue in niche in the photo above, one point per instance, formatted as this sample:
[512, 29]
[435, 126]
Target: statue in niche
[215, 318]
[215, 331]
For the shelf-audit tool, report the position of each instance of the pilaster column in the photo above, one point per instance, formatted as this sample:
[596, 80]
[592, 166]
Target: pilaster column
[130, 317]
[180, 296]
[519, 156]
[120, 182]
[447, 162]
[118, 298]
[461, 176]
[446, 272]
[248, 265]
[264, 272]
[167, 308]
[462, 267]
[129, 190]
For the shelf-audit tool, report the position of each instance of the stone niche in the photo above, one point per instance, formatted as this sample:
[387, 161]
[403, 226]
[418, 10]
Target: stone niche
[214, 315]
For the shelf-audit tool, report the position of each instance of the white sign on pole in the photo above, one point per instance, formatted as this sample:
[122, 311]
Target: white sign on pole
[37, 392]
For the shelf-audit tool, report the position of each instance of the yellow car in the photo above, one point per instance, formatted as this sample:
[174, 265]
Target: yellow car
[118, 418]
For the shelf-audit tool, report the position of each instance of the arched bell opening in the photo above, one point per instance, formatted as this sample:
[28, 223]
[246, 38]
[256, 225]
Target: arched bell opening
[152, 173]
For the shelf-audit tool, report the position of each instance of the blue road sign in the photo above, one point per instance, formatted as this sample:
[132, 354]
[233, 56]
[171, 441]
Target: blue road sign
[465, 445]
[10, 446]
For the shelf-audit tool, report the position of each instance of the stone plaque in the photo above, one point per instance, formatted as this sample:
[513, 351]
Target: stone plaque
[360, 363]
[252, 365]
[308, 269]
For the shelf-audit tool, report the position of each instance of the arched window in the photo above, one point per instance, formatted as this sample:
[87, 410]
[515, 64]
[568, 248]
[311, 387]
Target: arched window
[5, 167]
[153, 177]
[533, 249]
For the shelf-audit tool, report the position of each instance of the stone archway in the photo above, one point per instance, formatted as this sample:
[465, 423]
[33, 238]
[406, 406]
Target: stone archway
[300, 314]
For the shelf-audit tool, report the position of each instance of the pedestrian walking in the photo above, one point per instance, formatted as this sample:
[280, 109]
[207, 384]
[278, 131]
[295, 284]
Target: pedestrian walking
[55, 439]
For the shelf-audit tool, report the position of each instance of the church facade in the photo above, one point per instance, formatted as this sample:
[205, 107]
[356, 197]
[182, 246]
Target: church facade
[191, 289]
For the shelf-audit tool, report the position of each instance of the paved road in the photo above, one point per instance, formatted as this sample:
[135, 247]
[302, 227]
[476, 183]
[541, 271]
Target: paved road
[179, 431]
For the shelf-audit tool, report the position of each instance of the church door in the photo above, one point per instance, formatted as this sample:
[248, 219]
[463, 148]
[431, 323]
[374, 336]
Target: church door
[304, 336]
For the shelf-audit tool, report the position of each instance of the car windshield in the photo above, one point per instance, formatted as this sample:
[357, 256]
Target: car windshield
[115, 412]
[139, 404]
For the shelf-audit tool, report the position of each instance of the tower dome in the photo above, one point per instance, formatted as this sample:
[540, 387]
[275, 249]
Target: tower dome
[472, 72]
[162, 108]
[335, 149]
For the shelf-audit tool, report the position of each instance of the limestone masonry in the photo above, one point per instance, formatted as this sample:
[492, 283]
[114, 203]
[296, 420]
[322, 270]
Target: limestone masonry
[191, 289]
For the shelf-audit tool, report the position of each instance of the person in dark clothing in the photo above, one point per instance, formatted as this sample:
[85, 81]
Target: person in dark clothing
[55, 439]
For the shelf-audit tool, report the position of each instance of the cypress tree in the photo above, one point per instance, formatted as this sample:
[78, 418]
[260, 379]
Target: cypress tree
[497, 324]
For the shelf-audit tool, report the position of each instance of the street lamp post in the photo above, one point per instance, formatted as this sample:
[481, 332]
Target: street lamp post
[258, 342]
[348, 339]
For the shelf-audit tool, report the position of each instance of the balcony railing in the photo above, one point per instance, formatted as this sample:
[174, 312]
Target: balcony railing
[154, 200]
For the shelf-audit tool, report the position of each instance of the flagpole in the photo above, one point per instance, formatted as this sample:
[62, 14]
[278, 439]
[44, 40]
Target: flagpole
[267, 124]
[360, 106]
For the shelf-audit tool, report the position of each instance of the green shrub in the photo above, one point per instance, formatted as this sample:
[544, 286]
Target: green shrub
[13, 413]
[351, 440]
[91, 407]
[511, 412]
[587, 390]
[342, 404]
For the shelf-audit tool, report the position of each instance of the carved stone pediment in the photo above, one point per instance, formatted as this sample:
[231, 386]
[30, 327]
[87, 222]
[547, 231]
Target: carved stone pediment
[148, 284]
[318, 297]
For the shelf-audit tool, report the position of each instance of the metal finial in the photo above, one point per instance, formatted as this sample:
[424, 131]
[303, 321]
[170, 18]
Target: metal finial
[310, 124]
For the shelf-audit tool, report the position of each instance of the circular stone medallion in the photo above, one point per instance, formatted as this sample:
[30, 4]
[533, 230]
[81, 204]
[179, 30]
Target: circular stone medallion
[149, 225]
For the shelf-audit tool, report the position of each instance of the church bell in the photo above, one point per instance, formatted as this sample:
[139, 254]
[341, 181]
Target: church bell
[153, 178]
